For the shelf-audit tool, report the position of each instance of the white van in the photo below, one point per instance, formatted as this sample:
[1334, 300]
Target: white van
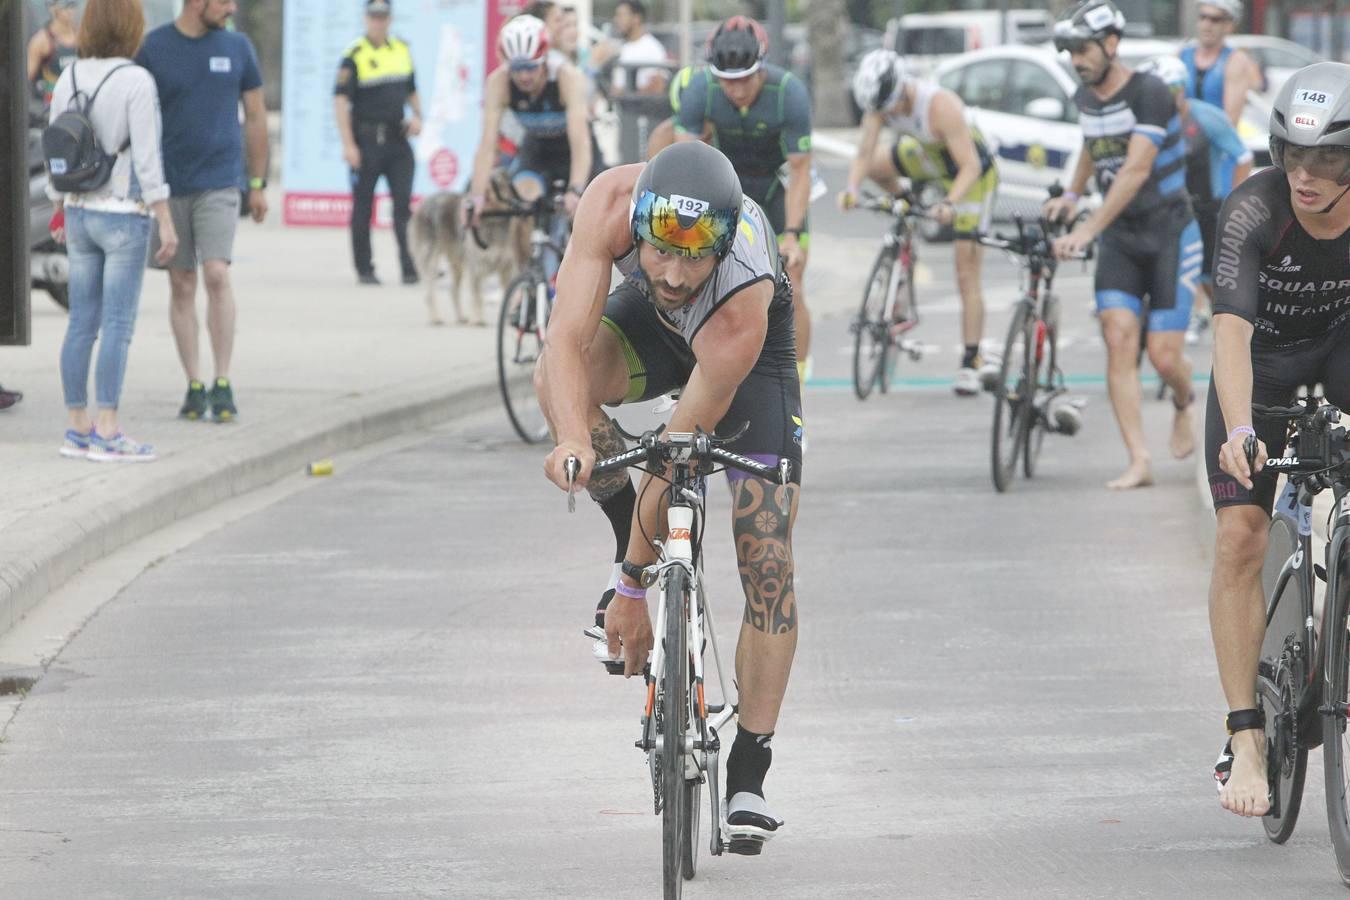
[926, 40]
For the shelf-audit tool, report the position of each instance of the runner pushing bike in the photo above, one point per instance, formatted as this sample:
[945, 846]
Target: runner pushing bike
[704, 306]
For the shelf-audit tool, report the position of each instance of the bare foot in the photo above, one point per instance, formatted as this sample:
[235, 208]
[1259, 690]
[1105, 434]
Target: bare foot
[1182, 442]
[1246, 793]
[1139, 474]
[435, 320]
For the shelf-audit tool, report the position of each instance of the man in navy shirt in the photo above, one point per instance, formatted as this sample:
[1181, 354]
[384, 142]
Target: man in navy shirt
[203, 71]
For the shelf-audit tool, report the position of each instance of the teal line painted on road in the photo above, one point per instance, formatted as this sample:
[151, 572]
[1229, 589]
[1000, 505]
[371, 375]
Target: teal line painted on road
[930, 382]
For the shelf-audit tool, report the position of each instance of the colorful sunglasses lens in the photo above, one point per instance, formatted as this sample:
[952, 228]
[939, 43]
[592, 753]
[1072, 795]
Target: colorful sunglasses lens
[659, 221]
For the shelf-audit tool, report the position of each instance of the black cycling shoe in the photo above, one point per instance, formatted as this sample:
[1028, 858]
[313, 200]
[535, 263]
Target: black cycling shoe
[367, 278]
[750, 824]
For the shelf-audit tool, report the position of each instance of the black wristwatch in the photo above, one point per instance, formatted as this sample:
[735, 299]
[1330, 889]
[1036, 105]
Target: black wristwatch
[576, 190]
[795, 232]
[633, 571]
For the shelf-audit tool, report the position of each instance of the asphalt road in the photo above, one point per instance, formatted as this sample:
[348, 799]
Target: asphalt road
[375, 684]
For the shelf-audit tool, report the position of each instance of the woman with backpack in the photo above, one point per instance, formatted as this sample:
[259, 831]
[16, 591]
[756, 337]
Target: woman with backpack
[107, 202]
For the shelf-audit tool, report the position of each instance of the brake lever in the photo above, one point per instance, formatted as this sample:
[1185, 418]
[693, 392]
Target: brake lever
[572, 466]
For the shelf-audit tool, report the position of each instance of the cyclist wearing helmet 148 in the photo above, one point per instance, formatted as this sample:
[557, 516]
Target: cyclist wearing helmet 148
[704, 304]
[761, 118]
[934, 144]
[1150, 245]
[1281, 321]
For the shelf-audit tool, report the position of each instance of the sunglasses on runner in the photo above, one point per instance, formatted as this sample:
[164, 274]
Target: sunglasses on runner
[1216, 18]
[525, 65]
[1326, 163]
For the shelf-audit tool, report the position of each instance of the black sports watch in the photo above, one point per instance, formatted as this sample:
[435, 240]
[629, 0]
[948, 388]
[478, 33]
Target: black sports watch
[633, 571]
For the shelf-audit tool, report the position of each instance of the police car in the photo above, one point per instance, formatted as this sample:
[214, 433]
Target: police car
[1021, 99]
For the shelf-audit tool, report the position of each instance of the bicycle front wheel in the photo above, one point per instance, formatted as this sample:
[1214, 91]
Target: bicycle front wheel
[520, 340]
[1335, 750]
[1038, 366]
[674, 708]
[1013, 396]
[871, 333]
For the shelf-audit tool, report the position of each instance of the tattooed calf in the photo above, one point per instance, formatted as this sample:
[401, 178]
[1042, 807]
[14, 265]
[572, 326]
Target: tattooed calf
[764, 553]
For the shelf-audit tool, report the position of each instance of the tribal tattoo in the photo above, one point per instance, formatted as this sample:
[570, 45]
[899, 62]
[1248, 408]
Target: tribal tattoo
[607, 442]
[764, 553]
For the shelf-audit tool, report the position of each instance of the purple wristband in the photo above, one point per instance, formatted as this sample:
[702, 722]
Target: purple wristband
[632, 593]
[1242, 429]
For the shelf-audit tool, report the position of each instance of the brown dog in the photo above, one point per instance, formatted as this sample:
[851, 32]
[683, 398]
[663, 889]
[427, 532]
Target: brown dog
[437, 232]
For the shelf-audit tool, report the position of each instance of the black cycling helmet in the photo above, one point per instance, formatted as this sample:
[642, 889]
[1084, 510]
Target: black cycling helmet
[737, 48]
[687, 201]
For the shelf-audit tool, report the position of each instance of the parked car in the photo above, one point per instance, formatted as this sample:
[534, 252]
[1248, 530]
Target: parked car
[927, 40]
[1021, 99]
[1277, 57]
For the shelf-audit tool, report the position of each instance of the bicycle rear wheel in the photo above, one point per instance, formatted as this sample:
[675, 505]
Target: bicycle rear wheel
[520, 340]
[903, 309]
[871, 333]
[1335, 749]
[1013, 395]
[674, 708]
[691, 794]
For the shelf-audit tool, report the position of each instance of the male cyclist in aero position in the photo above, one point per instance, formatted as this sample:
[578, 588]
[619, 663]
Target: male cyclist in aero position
[1281, 321]
[760, 116]
[548, 96]
[1150, 245]
[704, 304]
[934, 143]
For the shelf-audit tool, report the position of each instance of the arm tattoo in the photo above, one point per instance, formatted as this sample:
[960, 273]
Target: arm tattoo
[607, 442]
[764, 554]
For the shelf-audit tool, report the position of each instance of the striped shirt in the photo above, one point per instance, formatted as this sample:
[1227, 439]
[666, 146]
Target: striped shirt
[1143, 106]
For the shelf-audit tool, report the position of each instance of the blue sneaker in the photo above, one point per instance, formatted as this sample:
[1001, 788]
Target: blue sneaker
[76, 444]
[119, 448]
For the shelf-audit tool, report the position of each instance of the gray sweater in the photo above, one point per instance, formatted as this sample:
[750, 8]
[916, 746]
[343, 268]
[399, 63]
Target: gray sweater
[127, 108]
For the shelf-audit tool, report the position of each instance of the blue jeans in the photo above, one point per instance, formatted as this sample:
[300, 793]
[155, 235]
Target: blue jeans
[107, 253]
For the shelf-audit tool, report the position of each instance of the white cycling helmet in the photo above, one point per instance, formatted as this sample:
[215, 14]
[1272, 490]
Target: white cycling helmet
[1230, 8]
[877, 83]
[523, 42]
[1169, 69]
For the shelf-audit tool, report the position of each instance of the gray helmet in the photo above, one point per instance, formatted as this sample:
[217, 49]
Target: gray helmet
[1091, 20]
[687, 201]
[1313, 110]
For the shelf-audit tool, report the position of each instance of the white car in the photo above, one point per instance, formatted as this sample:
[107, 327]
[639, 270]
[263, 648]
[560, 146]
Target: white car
[1021, 99]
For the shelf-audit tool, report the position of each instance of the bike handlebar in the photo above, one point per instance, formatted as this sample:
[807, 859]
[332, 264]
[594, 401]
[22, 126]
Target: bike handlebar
[903, 205]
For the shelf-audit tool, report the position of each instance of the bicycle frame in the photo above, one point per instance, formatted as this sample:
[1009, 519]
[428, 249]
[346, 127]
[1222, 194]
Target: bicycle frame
[702, 744]
[1295, 504]
[534, 316]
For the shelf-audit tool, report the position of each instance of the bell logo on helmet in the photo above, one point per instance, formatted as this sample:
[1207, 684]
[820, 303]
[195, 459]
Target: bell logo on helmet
[1303, 120]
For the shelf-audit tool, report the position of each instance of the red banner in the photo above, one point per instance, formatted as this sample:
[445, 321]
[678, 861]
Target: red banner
[499, 12]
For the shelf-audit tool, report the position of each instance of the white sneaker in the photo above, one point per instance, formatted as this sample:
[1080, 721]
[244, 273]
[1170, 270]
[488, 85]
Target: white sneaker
[967, 383]
[989, 373]
[1064, 414]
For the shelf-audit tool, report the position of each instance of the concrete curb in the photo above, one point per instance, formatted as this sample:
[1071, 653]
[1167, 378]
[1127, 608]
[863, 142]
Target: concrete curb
[41, 551]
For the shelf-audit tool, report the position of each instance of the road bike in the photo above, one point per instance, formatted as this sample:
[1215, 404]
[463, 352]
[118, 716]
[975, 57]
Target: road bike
[889, 307]
[1029, 377]
[1303, 676]
[680, 727]
[526, 306]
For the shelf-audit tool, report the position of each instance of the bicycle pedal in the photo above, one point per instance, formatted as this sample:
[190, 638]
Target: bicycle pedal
[746, 846]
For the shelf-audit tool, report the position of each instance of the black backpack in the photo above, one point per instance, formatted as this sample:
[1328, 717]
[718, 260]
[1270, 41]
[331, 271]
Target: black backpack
[76, 162]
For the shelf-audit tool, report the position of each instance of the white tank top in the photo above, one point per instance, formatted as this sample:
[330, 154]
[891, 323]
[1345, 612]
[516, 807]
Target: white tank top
[917, 122]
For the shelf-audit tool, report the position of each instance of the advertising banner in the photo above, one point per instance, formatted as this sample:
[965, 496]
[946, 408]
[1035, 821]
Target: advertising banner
[448, 43]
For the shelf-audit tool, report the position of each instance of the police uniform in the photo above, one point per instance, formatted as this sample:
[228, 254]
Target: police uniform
[378, 82]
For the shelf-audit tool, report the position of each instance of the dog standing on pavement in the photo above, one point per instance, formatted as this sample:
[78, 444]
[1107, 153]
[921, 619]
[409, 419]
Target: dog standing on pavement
[499, 245]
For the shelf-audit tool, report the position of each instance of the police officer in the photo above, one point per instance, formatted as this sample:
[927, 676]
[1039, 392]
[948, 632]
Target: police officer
[374, 84]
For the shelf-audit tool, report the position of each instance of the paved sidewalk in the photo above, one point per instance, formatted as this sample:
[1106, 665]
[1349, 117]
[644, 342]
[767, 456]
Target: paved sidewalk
[320, 365]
